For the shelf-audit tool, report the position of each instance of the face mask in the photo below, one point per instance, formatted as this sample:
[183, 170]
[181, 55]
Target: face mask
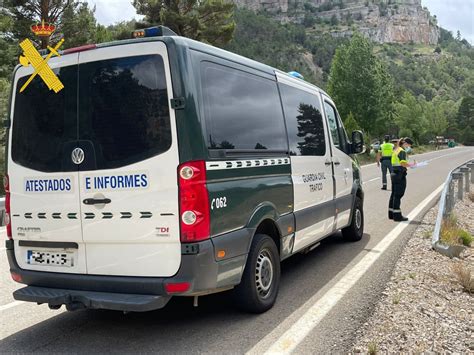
[408, 150]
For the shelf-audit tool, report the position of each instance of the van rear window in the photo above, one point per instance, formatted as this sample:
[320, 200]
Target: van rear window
[43, 121]
[123, 109]
[118, 111]
[242, 110]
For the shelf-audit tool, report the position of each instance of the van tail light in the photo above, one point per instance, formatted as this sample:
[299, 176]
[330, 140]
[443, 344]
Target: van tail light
[194, 212]
[177, 287]
[6, 216]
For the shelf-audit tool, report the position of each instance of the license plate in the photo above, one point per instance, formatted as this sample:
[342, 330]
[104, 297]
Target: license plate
[50, 258]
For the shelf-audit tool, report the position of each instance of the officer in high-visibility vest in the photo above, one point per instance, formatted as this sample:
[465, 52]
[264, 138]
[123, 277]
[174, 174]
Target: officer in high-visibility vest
[384, 159]
[399, 178]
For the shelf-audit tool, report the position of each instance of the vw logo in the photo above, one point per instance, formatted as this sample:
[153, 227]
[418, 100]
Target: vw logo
[77, 156]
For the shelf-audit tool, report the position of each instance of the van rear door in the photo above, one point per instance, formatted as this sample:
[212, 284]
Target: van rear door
[45, 210]
[128, 179]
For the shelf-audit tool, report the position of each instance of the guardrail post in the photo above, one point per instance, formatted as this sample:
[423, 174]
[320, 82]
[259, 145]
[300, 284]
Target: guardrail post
[466, 171]
[471, 166]
[458, 176]
[450, 198]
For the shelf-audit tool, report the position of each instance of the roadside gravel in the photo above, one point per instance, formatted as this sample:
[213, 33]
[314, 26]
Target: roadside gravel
[424, 308]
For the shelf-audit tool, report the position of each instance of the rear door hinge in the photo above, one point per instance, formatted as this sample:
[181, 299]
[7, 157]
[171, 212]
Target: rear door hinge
[177, 103]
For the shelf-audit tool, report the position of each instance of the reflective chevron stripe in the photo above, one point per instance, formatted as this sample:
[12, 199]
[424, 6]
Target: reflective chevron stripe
[249, 163]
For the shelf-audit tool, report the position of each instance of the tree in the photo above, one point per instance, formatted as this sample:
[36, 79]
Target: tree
[208, 20]
[79, 25]
[8, 47]
[71, 16]
[351, 124]
[409, 117]
[465, 116]
[27, 12]
[359, 83]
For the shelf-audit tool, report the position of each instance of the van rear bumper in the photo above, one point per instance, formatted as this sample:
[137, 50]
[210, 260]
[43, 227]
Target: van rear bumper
[74, 300]
[198, 267]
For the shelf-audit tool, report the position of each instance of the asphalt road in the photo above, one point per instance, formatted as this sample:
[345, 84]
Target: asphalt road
[215, 326]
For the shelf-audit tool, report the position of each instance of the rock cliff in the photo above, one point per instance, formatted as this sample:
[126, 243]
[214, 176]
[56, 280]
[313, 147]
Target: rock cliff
[384, 21]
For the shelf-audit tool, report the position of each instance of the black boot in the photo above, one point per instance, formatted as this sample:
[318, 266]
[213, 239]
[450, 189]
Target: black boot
[390, 215]
[397, 217]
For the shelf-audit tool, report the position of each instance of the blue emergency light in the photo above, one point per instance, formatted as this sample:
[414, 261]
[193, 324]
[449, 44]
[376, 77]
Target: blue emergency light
[296, 75]
[155, 31]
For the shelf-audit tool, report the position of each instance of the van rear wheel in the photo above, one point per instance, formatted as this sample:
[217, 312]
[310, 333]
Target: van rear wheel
[258, 289]
[355, 230]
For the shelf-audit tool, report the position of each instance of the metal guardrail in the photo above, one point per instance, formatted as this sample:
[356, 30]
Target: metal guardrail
[448, 201]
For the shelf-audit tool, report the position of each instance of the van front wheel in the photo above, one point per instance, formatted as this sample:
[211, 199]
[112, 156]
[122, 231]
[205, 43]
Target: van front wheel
[355, 230]
[258, 289]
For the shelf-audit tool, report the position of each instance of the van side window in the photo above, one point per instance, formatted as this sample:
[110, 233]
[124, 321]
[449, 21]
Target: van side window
[332, 121]
[342, 132]
[242, 110]
[304, 121]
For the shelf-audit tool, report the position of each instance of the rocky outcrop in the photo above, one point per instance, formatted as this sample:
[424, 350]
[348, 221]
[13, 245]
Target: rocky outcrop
[384, 21]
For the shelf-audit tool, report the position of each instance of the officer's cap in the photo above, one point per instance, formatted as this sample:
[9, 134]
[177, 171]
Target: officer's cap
[408, 140]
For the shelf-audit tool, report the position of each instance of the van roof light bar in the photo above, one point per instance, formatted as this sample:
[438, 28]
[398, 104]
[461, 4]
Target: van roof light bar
[155, 31]
[295, 74]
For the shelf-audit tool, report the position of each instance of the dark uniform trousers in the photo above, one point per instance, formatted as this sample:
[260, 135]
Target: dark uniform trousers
[385, 164]
[399, 185]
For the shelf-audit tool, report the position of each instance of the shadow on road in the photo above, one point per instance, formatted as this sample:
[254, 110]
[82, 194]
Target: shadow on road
[215, 326]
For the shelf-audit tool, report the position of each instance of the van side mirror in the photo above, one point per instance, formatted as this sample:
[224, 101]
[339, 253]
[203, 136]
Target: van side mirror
[357, 145]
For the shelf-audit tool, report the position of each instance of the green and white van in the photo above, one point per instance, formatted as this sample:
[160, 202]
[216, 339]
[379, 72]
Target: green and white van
[168, 167]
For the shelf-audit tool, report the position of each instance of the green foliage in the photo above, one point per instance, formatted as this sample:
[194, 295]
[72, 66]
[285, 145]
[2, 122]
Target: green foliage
[351, 124]
[74, 20]
[359, 83]
[8, 48]
[79, 26]
[409, 116]
[465, 237]
[27, 12]
[208, 21]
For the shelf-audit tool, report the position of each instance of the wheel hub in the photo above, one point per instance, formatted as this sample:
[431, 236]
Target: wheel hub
[358, 219]
[264, 273]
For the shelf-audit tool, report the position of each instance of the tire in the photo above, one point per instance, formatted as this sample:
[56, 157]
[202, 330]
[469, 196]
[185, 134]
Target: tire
[355, 230]
[257, 293]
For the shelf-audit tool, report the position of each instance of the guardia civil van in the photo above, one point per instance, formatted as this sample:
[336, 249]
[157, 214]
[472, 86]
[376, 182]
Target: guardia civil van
[168, 167]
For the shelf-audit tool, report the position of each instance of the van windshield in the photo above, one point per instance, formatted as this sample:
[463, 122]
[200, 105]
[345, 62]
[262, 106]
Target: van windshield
[116, 109]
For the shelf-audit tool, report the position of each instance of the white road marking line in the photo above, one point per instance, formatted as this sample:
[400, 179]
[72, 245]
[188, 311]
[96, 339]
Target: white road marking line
[377, 178]
[319, 307]
[10, 305]
[433, 151]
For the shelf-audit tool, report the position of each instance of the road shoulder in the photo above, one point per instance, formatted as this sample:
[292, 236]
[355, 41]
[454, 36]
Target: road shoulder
[423, 308]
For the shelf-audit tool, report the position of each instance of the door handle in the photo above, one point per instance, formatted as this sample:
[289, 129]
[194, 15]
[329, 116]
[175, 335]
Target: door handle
[327, 162]
[96, 201]
[337, 163]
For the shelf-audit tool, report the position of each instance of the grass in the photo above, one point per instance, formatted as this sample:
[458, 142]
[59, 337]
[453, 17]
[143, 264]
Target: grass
[449, 230]
[451, 234]
[464, 277]
[428, 234]
[466, 237]
[396, 299]
[372, 348]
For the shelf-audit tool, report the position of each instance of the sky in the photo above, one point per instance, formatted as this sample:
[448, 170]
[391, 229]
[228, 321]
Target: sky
[453, 15]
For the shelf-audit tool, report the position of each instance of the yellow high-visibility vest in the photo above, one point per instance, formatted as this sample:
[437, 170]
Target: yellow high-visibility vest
[387, 149]
[395, 159]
